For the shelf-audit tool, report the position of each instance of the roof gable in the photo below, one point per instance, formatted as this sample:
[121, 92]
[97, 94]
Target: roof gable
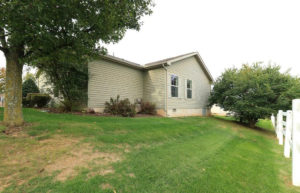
[160, 63]
[169, 61]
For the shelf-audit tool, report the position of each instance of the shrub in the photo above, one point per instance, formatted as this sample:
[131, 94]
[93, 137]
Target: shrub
[112, 106]
[126, 109]
[91, 111]
[148, 108]
[120, 107]
[254, 92]
[41, 100]
[29, 86]
[25, 102]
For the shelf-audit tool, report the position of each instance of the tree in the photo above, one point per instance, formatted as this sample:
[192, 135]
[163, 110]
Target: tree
[30, 75]
[29, 86]
[2, 80]
[255, 91]
[70, 80]
[30, 31]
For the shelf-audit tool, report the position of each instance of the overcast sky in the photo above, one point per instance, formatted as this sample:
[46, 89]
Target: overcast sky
[225, 33]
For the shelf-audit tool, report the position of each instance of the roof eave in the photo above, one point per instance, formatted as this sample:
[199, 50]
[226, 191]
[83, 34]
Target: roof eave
[119, 61]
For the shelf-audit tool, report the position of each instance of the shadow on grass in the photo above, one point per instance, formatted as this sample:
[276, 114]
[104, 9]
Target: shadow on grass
[265, 131]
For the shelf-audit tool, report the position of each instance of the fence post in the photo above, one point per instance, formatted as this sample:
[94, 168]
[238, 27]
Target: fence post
[280, 127]
[273, 121]
[296, 142]
[277, 123]
[288, 134]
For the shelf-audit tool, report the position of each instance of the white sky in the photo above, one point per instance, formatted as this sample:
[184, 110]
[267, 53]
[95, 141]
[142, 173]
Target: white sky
[224, 32]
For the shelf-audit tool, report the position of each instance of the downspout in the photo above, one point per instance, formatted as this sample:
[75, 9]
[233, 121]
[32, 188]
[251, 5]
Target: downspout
[166, 93]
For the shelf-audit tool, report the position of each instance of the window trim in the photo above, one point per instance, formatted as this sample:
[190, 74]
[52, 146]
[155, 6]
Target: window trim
[177, 86]
[187, 89]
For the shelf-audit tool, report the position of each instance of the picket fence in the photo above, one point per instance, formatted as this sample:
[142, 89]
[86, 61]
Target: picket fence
[287, 127]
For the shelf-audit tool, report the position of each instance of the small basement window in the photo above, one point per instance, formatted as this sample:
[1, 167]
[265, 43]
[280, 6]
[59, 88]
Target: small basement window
[174, 86]
[189, 89]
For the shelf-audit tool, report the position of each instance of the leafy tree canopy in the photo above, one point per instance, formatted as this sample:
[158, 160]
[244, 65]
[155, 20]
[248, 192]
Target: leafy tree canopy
[255, 91]
[29, 75]
[35, 31]
[69, 79]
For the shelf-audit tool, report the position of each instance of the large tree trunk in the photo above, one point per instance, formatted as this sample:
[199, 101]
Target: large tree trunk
[13, 115]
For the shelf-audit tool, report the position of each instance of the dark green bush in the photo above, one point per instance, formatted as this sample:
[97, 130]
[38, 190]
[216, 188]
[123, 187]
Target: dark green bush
[41, 100]
[148, 108]
[29, 86]
[25, 102]
[120, 107]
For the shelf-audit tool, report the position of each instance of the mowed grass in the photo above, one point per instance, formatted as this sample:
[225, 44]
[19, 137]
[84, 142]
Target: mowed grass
[141, 155]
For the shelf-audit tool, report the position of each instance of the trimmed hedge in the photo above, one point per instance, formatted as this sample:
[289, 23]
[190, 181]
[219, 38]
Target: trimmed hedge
[38, 99]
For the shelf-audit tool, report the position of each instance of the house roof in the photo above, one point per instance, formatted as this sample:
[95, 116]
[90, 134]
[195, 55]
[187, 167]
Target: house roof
[164, 61]
[122, 61]
[160, 63]
[169, 61]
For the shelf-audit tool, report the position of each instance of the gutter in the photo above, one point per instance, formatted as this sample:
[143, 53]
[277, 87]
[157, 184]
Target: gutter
[166, 93]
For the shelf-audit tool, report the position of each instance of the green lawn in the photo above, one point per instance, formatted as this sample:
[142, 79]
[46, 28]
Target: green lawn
[71, 153]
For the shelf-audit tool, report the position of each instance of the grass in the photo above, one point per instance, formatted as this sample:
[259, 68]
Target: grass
[142, 155]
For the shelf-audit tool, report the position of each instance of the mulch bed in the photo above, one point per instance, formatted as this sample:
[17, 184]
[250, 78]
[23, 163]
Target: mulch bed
[84, 113]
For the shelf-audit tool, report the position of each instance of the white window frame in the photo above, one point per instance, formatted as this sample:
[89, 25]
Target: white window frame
[189, 89]
[177, 86]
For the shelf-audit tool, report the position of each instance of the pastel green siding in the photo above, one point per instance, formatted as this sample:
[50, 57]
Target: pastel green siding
[189, 68]
[109, 79]
[155, 87]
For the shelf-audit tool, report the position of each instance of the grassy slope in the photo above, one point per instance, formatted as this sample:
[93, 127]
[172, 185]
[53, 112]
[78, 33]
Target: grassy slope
[190, 154]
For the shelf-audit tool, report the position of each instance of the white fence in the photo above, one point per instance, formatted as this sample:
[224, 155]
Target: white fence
[287, 127]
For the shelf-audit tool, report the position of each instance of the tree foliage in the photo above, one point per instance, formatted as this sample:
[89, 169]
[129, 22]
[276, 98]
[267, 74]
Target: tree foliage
[70, 80]
[30, 75]
[255, 91]
[29, 86]
[35, 31]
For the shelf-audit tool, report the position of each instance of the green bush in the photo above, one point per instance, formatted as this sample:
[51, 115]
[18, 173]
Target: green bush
[254, 92]
[41, 100]
[29, 86]
[120, 107]
[25, 102]
[148, 108]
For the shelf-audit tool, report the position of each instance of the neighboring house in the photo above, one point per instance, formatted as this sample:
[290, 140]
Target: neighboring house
[2, 96]
[43, 84]
[47, 88]
[216, 110]
[178, 86]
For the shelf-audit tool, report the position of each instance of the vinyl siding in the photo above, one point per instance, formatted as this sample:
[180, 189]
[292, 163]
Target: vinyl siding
[189, 68]
[108, 79]
[155, 87]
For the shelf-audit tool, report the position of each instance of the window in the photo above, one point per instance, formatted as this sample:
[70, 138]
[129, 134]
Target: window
[189, 91]
[174, 86]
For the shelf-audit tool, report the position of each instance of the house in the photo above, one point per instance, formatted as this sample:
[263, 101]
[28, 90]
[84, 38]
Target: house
[2, 96]
[179, 86]
[216, 110]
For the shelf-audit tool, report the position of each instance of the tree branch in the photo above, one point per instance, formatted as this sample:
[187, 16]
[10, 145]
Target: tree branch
[4, 35]
[4, 47]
